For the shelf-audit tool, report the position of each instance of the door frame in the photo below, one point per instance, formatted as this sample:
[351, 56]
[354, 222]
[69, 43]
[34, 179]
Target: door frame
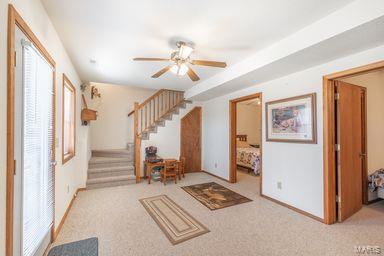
[200, 134]
[329, 140]
[15, 20]
[232, 135]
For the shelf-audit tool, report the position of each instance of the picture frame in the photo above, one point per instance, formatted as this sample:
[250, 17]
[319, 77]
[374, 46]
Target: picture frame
[292, 119]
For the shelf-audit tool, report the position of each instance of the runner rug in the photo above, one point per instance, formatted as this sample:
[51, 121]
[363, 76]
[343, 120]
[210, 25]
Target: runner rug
[173, 220]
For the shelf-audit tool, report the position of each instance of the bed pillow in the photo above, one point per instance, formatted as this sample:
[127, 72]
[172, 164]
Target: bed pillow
[243, 144]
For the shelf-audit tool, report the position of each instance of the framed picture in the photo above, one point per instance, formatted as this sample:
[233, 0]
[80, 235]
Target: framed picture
[292, 119]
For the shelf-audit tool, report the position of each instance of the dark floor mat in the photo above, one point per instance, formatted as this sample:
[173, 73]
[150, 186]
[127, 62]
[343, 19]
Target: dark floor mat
[87, 247]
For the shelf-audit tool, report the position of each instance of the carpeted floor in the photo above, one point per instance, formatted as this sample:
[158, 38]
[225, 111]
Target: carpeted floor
[260, 227]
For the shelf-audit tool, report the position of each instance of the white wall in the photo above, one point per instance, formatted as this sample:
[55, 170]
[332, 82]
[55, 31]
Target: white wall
[167, 138]
[248, 122]
[298, 166]
[113, 129]
[73, 174]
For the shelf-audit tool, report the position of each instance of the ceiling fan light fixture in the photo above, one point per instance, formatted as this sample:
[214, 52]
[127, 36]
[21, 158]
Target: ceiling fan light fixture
[179, 70]
[181, 62]
[185, 51]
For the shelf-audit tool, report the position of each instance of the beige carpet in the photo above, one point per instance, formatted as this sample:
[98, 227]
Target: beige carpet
[260, 227]
[175, 222]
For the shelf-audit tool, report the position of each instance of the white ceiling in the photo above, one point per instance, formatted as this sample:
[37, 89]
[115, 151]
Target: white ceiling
[115, 31]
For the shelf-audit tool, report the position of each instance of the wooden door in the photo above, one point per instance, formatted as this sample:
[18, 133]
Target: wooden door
[190, 140]
[350, 156]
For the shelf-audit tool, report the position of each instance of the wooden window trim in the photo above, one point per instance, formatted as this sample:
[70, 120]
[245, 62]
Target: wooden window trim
[68, 84]
[15, 20]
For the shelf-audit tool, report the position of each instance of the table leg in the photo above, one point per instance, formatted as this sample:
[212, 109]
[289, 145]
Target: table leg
[148, 171]
[150, 176]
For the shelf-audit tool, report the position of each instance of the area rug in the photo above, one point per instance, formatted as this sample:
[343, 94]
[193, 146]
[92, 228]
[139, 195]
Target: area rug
[86, 247]
[214, 196]
[173, 220]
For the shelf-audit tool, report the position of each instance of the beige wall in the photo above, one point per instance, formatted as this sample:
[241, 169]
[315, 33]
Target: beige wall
[374, 82]
[72, 175]
[249, 122]
[113, 129]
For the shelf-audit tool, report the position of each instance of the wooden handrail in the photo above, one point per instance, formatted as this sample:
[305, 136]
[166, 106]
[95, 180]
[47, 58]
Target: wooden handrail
[151, 98]
[155, 95]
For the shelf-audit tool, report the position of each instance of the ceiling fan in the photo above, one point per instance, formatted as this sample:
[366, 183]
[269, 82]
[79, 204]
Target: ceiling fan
[181, 62]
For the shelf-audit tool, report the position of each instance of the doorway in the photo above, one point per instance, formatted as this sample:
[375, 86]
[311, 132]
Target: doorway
[245, 136]
[30, 142]
[347, 150]
[190, 140]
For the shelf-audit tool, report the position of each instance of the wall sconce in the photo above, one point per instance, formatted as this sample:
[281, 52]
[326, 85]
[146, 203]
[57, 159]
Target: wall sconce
[95, 92]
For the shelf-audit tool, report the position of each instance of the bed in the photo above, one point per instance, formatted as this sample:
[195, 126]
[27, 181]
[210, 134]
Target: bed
[376, 182]
[247, 156]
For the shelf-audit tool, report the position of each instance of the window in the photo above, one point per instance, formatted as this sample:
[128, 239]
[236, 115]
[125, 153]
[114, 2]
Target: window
[69, 117]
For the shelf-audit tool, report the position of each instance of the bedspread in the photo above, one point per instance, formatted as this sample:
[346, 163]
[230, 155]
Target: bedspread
[376, 180]
[249, 157]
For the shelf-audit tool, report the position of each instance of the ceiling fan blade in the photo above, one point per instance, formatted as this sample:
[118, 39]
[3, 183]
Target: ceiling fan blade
[217, 64]
[194, 77]
[161, 72]
[151, 59]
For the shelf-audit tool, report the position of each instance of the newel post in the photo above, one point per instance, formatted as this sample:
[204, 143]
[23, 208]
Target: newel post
[137, 142]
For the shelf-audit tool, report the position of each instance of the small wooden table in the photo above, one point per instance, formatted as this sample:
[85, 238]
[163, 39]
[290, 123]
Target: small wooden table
[148, 166]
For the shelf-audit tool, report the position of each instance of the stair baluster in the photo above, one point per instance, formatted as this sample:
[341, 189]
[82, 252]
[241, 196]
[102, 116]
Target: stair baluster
[151, 113]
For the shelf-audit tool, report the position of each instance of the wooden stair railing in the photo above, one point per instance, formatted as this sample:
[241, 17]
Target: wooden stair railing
[147, 114]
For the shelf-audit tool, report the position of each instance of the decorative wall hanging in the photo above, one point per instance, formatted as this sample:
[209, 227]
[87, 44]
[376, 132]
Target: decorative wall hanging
[292, 119]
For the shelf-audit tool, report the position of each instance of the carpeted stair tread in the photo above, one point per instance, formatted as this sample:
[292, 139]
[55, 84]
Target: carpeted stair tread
[111, 169]
[111, 179]
[99, 159]
[116, 153]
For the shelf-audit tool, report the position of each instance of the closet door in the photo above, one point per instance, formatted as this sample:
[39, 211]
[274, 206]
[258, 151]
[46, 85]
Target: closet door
[37, 152]
[190, 140]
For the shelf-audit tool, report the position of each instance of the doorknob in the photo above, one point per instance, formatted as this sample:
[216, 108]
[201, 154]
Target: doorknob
[54, 163]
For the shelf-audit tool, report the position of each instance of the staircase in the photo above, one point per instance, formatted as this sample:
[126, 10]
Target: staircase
[157, 109]
[109, 168]
[151, 114]
[117, 167]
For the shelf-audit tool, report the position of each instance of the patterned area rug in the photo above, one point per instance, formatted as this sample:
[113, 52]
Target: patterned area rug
[214, 196]
[87, 247]
[173, 220]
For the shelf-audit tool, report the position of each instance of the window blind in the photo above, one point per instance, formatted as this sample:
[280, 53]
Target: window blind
[37, 149]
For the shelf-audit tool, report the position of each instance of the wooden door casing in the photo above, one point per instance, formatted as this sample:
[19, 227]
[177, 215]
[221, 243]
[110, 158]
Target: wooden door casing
[350, 128]
[190, 140]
